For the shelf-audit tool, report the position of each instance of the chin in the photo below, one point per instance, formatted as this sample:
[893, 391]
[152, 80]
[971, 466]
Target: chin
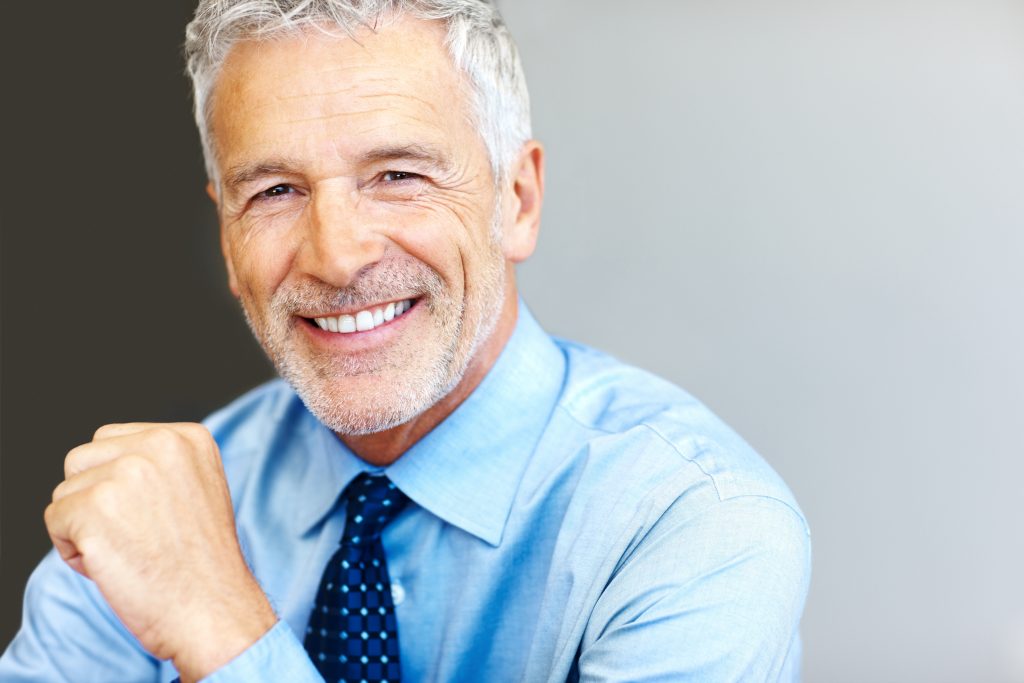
[371, 403]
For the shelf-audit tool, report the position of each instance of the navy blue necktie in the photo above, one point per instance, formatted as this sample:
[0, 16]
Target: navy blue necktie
[352, 635]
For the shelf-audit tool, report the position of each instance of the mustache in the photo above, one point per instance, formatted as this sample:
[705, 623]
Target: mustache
[379, 283]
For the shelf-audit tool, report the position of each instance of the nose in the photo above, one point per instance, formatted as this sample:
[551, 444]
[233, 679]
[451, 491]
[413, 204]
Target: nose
[340, 240]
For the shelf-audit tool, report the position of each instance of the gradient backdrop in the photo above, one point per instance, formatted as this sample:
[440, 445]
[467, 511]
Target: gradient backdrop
[808, 213]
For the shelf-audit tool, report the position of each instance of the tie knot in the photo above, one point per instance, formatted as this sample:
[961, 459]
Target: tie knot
[372, 502]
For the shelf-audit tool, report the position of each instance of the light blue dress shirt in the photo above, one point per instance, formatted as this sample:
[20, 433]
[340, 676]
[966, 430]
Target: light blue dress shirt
[574, 519]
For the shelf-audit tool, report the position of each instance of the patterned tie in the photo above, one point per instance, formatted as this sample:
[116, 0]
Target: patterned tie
[353, 635]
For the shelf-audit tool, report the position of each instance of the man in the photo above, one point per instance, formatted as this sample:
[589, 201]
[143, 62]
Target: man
[438, 490]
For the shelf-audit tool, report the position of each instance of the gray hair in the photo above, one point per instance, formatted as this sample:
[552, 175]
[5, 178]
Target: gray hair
[477, 40]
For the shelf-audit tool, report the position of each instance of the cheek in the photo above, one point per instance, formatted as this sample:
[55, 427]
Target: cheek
[261, 263]
[446, 239]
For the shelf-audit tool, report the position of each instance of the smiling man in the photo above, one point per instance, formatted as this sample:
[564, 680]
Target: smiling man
[363, 227]
[437, 490]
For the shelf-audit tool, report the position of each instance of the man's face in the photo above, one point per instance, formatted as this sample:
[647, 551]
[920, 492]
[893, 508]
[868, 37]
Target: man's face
[353, 184]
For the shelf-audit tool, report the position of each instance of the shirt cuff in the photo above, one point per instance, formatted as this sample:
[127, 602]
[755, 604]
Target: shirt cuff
[276, 656]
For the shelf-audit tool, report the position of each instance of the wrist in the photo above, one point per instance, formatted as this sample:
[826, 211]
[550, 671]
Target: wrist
[220, 633]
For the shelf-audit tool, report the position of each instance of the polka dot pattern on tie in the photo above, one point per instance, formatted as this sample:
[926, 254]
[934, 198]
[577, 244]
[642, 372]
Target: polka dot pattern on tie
[352, 635]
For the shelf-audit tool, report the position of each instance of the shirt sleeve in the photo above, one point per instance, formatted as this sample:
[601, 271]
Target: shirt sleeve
[715, 596]
[276, 656]
[68, 633]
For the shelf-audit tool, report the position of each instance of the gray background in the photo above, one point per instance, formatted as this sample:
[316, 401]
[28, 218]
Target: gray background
[809, 214]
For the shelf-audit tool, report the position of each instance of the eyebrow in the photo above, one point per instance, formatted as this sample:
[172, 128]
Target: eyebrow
[246, 173]
[414, 152]
[249, 172]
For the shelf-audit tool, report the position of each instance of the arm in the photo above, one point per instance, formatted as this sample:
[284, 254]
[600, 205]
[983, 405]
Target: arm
[147, 567]
[712, 597]
[69, 634]
[144, 512]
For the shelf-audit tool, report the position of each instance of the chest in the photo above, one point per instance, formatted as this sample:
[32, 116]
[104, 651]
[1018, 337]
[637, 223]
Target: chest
[466, 610]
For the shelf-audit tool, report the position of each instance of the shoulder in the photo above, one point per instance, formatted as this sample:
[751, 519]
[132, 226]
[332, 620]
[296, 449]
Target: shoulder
[661, 448]
[703, 539]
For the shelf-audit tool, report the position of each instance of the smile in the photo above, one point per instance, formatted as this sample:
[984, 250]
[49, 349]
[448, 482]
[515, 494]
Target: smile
[363, 321]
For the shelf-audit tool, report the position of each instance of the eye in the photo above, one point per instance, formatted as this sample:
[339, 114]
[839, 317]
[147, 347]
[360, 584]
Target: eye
[399, 176]
[275, 191]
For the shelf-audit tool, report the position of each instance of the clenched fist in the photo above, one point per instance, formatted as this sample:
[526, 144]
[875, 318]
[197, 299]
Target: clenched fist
[144, 511]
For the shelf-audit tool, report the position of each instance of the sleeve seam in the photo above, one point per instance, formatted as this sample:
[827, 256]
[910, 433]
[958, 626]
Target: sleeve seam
[703, 448]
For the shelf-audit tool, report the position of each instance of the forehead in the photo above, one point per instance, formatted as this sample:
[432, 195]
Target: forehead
[396, 84]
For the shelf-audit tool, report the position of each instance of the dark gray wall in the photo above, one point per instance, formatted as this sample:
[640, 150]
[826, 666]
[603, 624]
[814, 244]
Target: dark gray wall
[809, 213]
[114, 303]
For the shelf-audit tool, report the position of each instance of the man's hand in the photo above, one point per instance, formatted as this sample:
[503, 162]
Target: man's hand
[144, 511]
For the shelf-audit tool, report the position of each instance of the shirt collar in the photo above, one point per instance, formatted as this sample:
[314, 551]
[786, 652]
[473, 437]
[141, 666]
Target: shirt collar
[330, 468]
[467, 470]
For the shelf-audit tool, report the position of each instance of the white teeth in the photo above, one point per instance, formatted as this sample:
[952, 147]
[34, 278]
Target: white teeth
[364, 320]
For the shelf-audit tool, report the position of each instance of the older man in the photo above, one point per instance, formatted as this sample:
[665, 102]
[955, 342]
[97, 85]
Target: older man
[439, 490]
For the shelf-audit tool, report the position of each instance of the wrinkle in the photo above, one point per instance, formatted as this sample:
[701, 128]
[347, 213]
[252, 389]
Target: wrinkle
[352, 90]
[327, 117]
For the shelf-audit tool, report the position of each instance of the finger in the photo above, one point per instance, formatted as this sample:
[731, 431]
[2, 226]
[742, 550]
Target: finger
[58, 518]
[192, 431]
[110, 447]
[100, 449]
[121, 429]
[93, 454]
[152, 439]
[130, 467]
[76, 483]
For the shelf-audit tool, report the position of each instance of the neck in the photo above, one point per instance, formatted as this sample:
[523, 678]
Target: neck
[383, 448]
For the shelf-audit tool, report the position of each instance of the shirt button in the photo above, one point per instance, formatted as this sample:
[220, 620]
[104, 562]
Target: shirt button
[397, 593]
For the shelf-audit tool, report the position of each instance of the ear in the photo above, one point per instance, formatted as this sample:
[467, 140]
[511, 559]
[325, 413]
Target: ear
[521, 210]
[211, 191]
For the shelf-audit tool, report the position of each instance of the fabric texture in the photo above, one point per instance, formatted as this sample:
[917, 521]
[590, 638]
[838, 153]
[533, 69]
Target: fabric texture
[574, 519]
[352, 635]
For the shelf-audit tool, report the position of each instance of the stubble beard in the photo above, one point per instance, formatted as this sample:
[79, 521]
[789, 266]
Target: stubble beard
[412, 374]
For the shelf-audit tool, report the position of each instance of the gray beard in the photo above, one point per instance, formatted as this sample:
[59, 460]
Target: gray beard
[311, 378]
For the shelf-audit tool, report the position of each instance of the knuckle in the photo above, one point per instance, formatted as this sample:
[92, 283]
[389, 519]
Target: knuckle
[199, 433]
[88, 546]
[104, 432]
[103, 497]
[165, 442]
[53, 520]
[134, 468]
[71, 460]
[168, 458]
[167, 436]
[177, 445]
